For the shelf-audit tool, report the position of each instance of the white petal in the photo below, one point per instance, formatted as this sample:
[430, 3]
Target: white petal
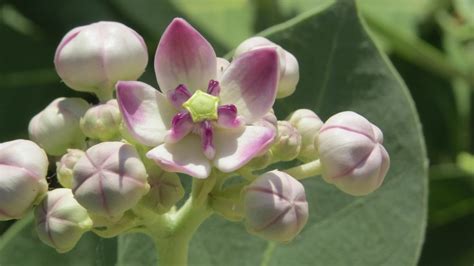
[185, 156]
[236, 147]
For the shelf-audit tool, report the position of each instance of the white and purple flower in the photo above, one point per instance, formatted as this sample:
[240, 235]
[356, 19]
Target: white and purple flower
[204, 113]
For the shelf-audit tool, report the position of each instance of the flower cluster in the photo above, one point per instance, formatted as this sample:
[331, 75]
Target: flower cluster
[118, 161]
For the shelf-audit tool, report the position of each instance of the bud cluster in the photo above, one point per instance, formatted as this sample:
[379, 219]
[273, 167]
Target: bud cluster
[109, 184]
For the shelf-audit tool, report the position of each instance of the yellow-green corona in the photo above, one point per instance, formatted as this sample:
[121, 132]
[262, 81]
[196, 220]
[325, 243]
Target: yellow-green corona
[202, 106]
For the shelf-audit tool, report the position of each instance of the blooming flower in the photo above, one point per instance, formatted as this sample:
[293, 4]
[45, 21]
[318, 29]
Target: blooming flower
[204, 113]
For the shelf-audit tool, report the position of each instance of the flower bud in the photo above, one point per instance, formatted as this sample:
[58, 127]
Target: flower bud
[288, 142]
[308, 125]
[351, 153]
[165, 191]
[289, 69]
[109, 179]
[23, 168]
[66, 164]
[60, 220]
[56, 128]
[102, 121]
[94, 57]
[275, 206]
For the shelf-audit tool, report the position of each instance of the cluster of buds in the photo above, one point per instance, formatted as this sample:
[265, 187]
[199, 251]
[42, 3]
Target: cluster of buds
[211, 119]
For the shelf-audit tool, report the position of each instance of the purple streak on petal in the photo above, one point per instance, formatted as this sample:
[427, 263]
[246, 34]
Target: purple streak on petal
[179, 96]
[227, 116]
[207, 139]
[184, 56]
[213, 88]
[250, 82]
[181, 125]
[68, 38]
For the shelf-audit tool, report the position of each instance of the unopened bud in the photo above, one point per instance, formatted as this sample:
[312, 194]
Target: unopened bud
[109, 179]
[288, 142]
[66, 164]
[56, 128]
[165, 191]
[102, 121]
[94, 57]
[23, 168]
[275, 207]
[222, 65]
[351, 153]
[308, 125]
[61, 220]
[289, 69]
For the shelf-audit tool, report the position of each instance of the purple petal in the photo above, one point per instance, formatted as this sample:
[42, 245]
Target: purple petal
[207, 142]
[181, 126]
[184, 56]
[146, 112]
[213, 88]
[179, 96]
[184, 156]
[227, 116]
[236, 147]
[251, 83]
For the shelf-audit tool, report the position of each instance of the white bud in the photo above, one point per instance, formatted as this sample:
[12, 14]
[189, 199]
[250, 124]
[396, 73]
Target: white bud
[66, 164]
[308, 125]
[275, 207]
[56, 128]
[289, 68]
[23, 168]
[94, 57]
[110, 179]
[61, 221]
[287, 143]
[102, 121]
[351, 153]
[222, 65]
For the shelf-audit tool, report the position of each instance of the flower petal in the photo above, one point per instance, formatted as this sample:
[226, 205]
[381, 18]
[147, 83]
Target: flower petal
[184, 56]
[250, 83]
[146, 112]
[184, 156]
[236, 147]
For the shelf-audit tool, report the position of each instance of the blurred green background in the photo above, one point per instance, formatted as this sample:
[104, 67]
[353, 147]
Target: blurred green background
[430, 42]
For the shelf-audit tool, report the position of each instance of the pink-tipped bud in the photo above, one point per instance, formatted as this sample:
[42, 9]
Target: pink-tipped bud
[94, 57]
[66, 164]
[102, 121]
[23, 168]
[61, 220]
[56, 128]
[308, 125]
[289, 68]
[351, 153]
[109, 179]
[275, 207]
[287, 144]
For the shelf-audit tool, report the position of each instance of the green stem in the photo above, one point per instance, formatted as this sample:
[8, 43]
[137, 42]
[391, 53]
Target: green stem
[173, 248]
[305, 170]
[415, 50]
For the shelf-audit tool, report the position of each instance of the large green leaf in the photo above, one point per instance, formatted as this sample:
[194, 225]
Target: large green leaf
[341, 69]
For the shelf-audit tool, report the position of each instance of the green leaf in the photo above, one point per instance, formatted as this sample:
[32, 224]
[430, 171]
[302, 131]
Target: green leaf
[20, 246]
[341, 69]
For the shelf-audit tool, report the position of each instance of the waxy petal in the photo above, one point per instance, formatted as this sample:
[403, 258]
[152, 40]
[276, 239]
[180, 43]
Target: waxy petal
[184, 56]
[236, 147]
[250, 83]
[146, 112]
[184, 156]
